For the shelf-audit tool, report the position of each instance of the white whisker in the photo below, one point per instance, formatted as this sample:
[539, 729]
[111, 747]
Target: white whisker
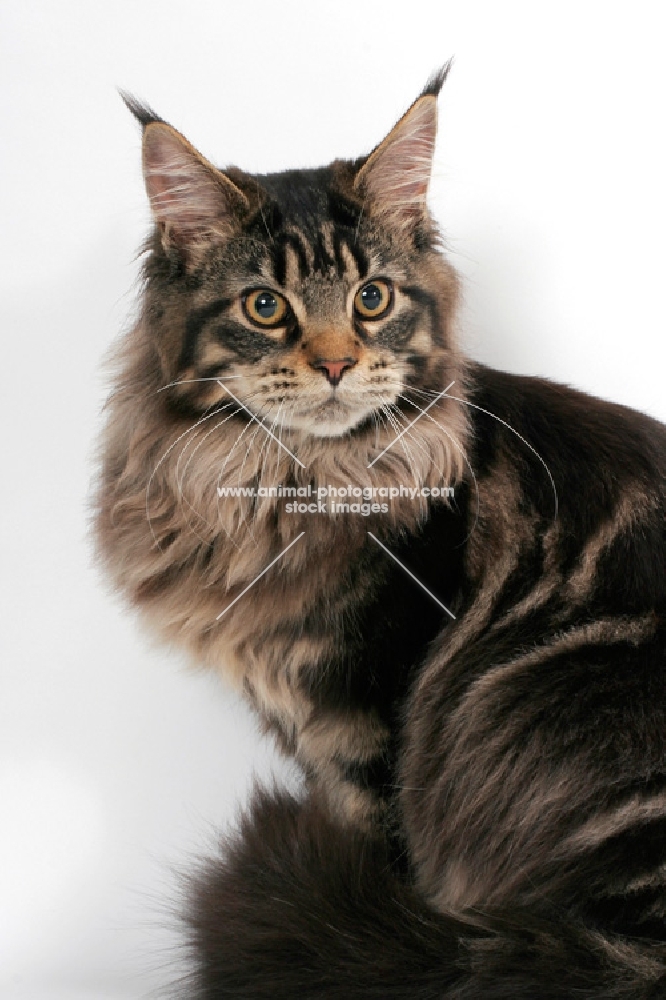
[189, 430]
[443, 393]
[184, 381]
[520, 438]
[260, 422]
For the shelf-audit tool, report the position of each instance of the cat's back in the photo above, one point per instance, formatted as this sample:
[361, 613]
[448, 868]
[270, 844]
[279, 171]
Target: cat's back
[589, 436]
[592, 474]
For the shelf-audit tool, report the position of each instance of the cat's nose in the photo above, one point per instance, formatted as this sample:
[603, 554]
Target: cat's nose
[333, 370]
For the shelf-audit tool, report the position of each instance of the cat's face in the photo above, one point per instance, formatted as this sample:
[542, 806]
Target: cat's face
[316, 299]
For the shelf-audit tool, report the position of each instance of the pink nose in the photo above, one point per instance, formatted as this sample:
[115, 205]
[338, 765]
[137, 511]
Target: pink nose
[333, 369]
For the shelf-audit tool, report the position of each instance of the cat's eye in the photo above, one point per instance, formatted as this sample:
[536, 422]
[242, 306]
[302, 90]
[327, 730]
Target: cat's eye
[374, 299]
[264, 307]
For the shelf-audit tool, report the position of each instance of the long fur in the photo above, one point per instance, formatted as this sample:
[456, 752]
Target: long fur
[297, 906]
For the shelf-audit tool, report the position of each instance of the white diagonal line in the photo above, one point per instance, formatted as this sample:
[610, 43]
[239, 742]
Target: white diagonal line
[259, 576]
[443, 393]
[409, 573]
[261, 423]
[184, 381]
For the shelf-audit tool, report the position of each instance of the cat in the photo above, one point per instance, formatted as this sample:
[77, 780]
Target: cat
[440, 586]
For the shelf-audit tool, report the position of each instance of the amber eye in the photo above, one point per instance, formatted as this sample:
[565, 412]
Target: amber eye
[265, 307]
[374, 299]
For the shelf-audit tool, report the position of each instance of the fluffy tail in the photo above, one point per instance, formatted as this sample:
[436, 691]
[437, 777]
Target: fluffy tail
[298, 907]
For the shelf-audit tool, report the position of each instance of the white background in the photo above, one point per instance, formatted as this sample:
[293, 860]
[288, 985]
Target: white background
[117, 763]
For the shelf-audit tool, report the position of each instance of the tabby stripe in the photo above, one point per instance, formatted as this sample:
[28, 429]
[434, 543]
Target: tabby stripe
[544, 588]
[583, 578]
[323, 258]
[195, 324]
[373, 773]
[282, 242]
[212, 370]
[342, 211]
[657, 912]
[339, 242]
[419, 295]
[399, 331]
[606, 631]
[252, 345]
[528, 572]
[424, 299]
[359, 258]
[600, 828]
[649, 880]
[418, 364]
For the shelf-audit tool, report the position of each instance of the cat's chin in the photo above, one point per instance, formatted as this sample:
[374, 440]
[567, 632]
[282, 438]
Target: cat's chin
[331, 430]
[329, 421]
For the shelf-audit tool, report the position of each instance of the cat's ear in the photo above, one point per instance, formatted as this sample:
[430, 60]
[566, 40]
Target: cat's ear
[394, 179]
[192, 201]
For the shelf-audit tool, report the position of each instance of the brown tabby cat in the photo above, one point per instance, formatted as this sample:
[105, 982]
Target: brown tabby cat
[474, 685]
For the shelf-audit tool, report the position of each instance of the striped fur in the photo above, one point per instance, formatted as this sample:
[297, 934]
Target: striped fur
[489, 780]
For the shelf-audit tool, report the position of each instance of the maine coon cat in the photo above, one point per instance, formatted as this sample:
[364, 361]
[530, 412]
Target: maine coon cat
[441, 586]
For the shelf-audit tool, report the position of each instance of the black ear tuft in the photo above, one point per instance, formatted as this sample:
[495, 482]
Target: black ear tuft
[142, 112]
[436, 81]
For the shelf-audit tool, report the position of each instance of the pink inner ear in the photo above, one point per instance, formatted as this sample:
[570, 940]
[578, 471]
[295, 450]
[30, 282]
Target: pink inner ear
[397, 174]
[184, 192]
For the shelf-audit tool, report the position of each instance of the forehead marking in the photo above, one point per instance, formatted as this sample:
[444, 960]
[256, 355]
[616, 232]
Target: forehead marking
[291, 243]
[292, 268]
[324, 255]
[348, 265]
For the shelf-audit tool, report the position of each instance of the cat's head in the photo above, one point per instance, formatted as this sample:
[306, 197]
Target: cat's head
[317, 299]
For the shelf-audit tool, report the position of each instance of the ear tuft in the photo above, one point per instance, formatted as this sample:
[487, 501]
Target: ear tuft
[437, 80]
[142, 112]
